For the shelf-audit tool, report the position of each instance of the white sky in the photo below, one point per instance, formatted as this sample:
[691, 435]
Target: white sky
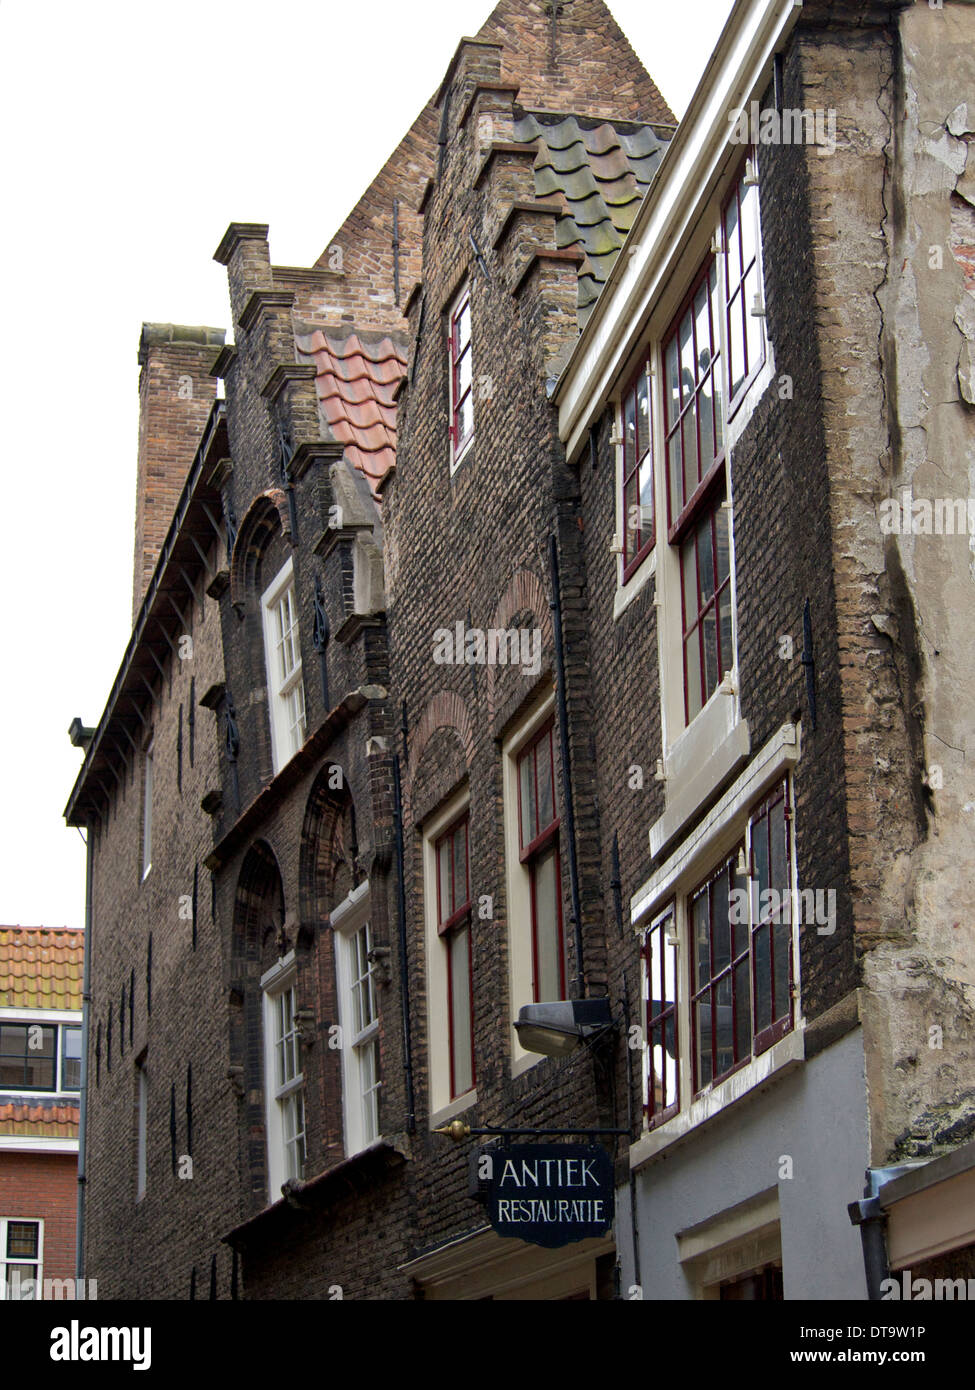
[133, 133]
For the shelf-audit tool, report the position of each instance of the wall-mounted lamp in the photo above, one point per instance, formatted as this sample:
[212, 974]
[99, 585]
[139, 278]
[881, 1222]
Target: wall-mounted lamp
[558, 1028]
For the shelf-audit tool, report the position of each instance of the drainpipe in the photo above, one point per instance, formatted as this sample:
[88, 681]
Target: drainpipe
[871, 1217]
[79, 1261]
[404, 971]
[570, 824]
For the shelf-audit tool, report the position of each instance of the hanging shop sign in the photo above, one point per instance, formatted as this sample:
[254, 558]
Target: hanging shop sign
[549, 1194]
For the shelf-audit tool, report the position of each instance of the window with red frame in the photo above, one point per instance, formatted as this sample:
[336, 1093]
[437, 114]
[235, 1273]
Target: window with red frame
[454, 927]
[769, 830]
[695, 454]
[461, 377]
[705, 566]
[746, 335]
[639, 529]
[721, 1015]
[741, 935]
[538, 825]
[660, 984]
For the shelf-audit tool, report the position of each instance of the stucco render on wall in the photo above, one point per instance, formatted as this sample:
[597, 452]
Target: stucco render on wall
[816, 1116]
[920, 1001]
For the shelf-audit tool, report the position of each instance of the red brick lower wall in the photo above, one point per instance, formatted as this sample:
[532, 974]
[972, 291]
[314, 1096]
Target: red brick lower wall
[44, 1187]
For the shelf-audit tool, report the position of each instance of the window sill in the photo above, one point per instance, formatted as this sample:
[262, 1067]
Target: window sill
[637, 582]
[456, 1107]
[704, 756]
[457, 461]
[784, 1057]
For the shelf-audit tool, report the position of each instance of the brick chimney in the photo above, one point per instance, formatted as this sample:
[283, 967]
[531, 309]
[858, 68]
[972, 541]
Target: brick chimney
[176, 393]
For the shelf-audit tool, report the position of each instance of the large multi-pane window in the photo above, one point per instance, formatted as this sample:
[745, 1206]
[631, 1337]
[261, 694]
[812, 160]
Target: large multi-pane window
[538, 833]
[742, 940]
[452, 851]
[461, 377]
[20, 1259]
[709, 354]
[34, 1058]
[283, 656]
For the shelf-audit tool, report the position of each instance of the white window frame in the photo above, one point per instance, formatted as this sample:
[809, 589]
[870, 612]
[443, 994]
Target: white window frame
[142, 1119]
[147, 810]
[278, 1094]
[38, 1263]
[676, 879]
[518, 881]
[442, 1106]
[457, 455]
[281, 688]
[348, 919]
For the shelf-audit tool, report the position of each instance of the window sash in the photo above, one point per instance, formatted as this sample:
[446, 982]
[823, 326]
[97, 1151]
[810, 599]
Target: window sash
[694, 332]
[23, 1068]
[17, 1266]
[727, 955]
[452, 858]
[660, 981]
[706, 612]
[638, 469]
[742, 281]
[461, 377]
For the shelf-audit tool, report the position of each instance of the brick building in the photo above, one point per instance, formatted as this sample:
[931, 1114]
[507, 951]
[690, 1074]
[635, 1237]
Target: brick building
[40, 1078]
[519, 626]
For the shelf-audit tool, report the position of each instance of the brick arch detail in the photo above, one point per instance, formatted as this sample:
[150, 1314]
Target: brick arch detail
[524, 590]
[324, 809]
[447, 710]
[267, 513]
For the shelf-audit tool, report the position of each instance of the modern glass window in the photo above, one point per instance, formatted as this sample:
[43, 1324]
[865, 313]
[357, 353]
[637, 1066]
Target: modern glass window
[286, 693]
[538, 833]
[21, 1245]
[452, 851]
[28, 1057]
[639, 530]
[660, 987]
[461, 377]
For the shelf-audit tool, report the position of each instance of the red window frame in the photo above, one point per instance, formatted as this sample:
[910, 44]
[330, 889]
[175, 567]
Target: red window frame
[459, 350]
[773, 926]
[741, 959]
[541, 840]
[454, 923]
[661, 977]
[637, 399]
[742, 280]
[682, 426]
[705, 584]
[726, 970]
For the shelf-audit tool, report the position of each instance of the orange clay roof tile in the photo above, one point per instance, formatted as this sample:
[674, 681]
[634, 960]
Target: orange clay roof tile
[39, 1119]
[41, 967]
[356, 374]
